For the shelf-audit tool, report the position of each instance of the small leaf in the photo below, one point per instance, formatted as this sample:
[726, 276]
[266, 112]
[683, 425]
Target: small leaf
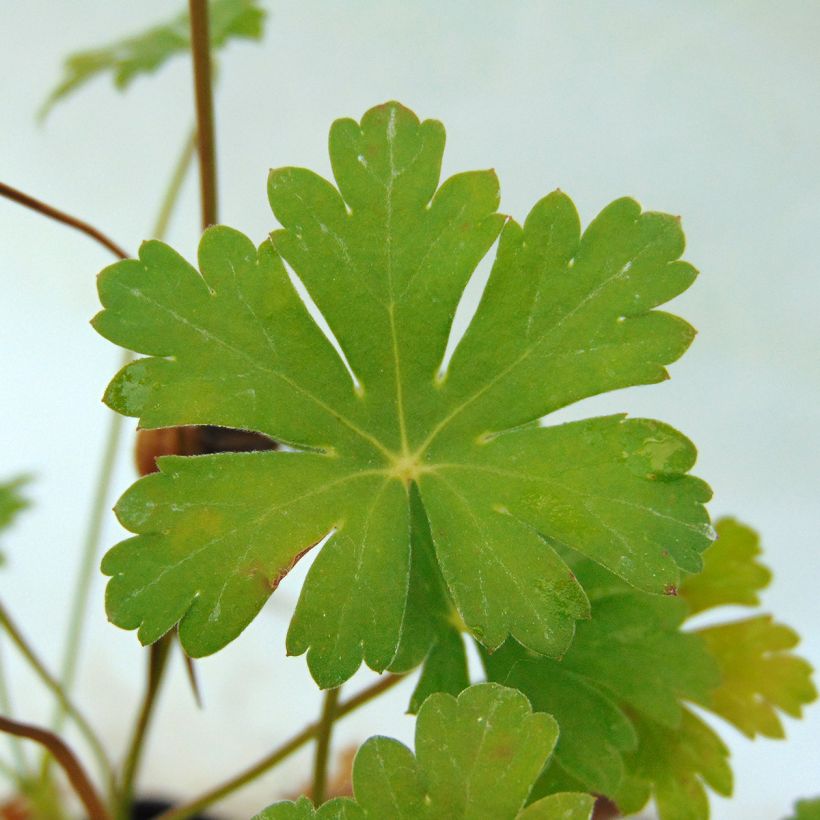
[146, 52]
[807, 810]
[385, 257]
[11, 502]
[731, 573]
[759, 675]
[476, 757]
[339, 808]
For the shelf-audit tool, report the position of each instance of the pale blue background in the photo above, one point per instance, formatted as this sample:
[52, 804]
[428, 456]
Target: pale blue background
[706, 109]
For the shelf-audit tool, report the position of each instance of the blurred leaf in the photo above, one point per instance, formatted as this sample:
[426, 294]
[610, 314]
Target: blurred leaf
[476, 757]
[11, 502]
[146, 52]
[759, 675]
[807, 809]
[385, 258]
[731, 573]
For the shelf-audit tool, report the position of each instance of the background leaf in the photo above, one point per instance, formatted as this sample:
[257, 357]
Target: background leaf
[11, 502]
[144, 53]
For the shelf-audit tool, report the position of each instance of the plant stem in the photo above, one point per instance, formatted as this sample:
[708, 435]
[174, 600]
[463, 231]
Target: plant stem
[172, 192]
[61, 216]
[331, 700]
[88, 561]
[51, 683]
[158, 660]
[67, 759]
[203, 92]
[278, 755]
[20, 762]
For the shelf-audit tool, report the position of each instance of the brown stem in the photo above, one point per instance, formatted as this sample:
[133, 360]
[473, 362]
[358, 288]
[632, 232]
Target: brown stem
[61, 216]
[203, 91]
[67, 759]
[278, 755]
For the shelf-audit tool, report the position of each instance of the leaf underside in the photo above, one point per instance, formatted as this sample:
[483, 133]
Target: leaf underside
[476, 757]
[385, 256]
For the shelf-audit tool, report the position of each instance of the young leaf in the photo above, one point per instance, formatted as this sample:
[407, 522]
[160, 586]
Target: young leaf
[731, 574]
[759, 676]
[146, 52]
[11, 502]
[476, 757]
[386, 258]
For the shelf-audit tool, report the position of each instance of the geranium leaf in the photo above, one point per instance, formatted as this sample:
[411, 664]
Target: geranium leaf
[11, 502]
[759, 675]
[144, 53]
[620, 692]
[674, 766]
[476, 757]
[731, 573]
[386, 258]
[303, 809]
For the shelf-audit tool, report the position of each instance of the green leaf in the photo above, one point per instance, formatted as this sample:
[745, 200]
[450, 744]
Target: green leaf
[338, 809]
[476, 757]
[386, 258]
[631, 657]
[759, 675]
[144, 53]
[731, 574]
[807, 809]
[11, 502]
[675, 766]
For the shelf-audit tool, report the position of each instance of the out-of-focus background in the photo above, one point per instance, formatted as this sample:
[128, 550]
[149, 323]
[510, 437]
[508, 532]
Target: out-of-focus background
[706, 109]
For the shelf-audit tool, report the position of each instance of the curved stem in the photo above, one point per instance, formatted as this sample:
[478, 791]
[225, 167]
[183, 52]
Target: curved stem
[61, 216]
[51, 682]
[331, 700]
[203, 91]
[67, 759]
[278, 755]
[17, 752]
[158, 660]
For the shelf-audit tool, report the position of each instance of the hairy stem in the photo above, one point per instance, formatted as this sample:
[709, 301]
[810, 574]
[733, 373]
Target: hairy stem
[53, 684]
[331, 700]
[158, 660]
[203, 91]
[67, 759]
[61, 216]
[278, 755]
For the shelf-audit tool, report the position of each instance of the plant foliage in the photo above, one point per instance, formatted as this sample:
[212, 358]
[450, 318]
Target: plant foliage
[620, 692]
[476, 757]
[11, 502]
[144, 53]
[385, 257]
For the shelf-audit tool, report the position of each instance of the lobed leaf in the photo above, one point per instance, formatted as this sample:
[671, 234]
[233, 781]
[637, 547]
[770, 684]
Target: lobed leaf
[144, 53]
[731, 573]
[432, 486]
[759, 675]
[476, 757]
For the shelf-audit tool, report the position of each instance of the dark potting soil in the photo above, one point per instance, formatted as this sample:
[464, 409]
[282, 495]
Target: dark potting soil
[148, 809]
